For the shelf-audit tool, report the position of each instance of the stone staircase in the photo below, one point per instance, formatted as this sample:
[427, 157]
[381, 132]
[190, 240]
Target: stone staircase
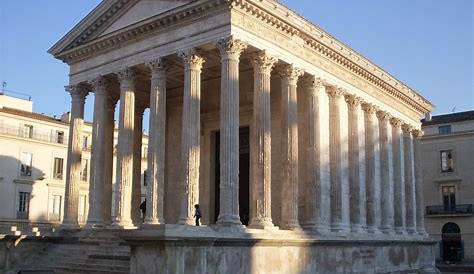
[98, 252]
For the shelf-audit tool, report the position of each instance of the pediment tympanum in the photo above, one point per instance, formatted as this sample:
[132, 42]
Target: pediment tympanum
[142, 10]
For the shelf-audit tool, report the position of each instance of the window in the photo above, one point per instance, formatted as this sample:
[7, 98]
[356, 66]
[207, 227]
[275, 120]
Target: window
[447, 161]
[27, 131]
[58, 168]
[60, 137]
[449, 197]
[56, 210]
[25, 169]
[145, 178]
[23, 205]
[84, 165]
[85, 142]
[444, 129]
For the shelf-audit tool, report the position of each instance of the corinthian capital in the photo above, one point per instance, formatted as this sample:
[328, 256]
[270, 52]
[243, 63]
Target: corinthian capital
[231, 48]
[78, 91]
[158, 67]
[263, 62]
[126, 76]
[191, 59]
[352, 101]
[369, 108]
[395, 122]
[383, 116]
[291, 73]
[335, 92]
[100, 84]
[407, 129]
[417, 133]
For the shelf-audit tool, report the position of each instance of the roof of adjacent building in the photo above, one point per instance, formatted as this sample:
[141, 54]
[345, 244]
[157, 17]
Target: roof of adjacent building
[32, 115]
[449, 118]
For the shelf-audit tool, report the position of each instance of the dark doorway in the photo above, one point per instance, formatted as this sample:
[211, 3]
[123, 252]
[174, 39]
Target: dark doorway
[451, 247]
[244, 175]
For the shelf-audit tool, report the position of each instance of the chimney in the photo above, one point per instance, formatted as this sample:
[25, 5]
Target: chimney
[428, 116]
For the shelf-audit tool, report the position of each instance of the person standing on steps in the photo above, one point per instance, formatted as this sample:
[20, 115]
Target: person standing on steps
[143, 210]
[197, 214]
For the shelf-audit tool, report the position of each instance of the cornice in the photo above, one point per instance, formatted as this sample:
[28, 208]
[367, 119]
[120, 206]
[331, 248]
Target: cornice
[292, 24]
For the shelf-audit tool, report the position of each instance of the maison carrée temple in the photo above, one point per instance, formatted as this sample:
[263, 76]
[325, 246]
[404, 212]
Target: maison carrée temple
[301, 153]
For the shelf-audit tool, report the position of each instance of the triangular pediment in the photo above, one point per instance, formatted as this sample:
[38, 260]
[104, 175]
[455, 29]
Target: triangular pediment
[142, 10]
[110, 16]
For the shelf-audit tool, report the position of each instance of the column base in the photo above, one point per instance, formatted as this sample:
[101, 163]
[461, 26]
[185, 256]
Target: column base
[94, 225]
[228, 220]
[122, 225]
[152, 223]
[388, 230]
[340, 228]
[261, 224]
[318, 229]
[70, 226]
[292, 225]
[358, 228]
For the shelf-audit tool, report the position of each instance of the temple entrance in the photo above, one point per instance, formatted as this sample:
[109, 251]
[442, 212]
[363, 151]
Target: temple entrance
[451, 248]
[244, 175]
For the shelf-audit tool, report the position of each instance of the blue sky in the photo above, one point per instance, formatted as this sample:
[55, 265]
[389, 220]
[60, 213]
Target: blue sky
[427, 44]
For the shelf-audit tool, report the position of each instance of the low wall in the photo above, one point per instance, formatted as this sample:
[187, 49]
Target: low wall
[224, 253]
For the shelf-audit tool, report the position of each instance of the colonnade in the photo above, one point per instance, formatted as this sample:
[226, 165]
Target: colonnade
[360, 163]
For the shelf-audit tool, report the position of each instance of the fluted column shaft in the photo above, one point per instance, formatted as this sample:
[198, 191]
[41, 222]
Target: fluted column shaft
[109, 160]
[420, 222]
[289, 147]
[137, 164]
[260, 161]
[372, 171]
[398, 176]
[230, 50]
[386, 171]
[409, 178]
[124, 177]
[318, 201]
[156, 144]
[356, 165]
[190, 135]
[74, 151]
[338, 153]
[98, 171]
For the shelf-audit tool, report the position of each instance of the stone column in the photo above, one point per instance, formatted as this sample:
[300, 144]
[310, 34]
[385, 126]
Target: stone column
[74, 156]
[398, 176]
[338, 154]
[156, 144]
[137, 163]
[372, 171]
[260, 183]
[409, 179]
[230, 51]
[98, 170]
[289, 147]
[109, 160]
[420, 222]
[356, 166]
[190, 135]
[386, 171]
[124, 177]
[317, 194]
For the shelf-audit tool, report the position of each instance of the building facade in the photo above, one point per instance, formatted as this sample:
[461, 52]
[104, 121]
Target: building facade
[283, 135]
[447, 151]
[33, 156]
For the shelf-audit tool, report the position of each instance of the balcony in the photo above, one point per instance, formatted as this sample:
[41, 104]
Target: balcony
[457, 210]
[33, 133]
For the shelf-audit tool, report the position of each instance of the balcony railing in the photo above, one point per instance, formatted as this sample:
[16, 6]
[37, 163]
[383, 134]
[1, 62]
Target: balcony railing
[45, 136]
[465, 209]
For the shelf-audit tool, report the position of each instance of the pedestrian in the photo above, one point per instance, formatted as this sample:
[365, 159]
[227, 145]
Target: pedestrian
[197, 214]
[143, 210]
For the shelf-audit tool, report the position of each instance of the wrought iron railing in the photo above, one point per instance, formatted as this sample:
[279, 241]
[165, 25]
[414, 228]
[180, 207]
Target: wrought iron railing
[32, 133]
[446, 210]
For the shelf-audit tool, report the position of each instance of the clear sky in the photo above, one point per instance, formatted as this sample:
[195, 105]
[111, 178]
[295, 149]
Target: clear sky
[427, 44]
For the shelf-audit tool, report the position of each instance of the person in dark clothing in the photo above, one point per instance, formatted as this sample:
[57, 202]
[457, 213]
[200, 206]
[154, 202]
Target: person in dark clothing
[143, 210]
[197, 214]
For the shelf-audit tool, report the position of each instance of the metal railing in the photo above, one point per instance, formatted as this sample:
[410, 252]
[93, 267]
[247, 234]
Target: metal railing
[465, 209]
[45, 136]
